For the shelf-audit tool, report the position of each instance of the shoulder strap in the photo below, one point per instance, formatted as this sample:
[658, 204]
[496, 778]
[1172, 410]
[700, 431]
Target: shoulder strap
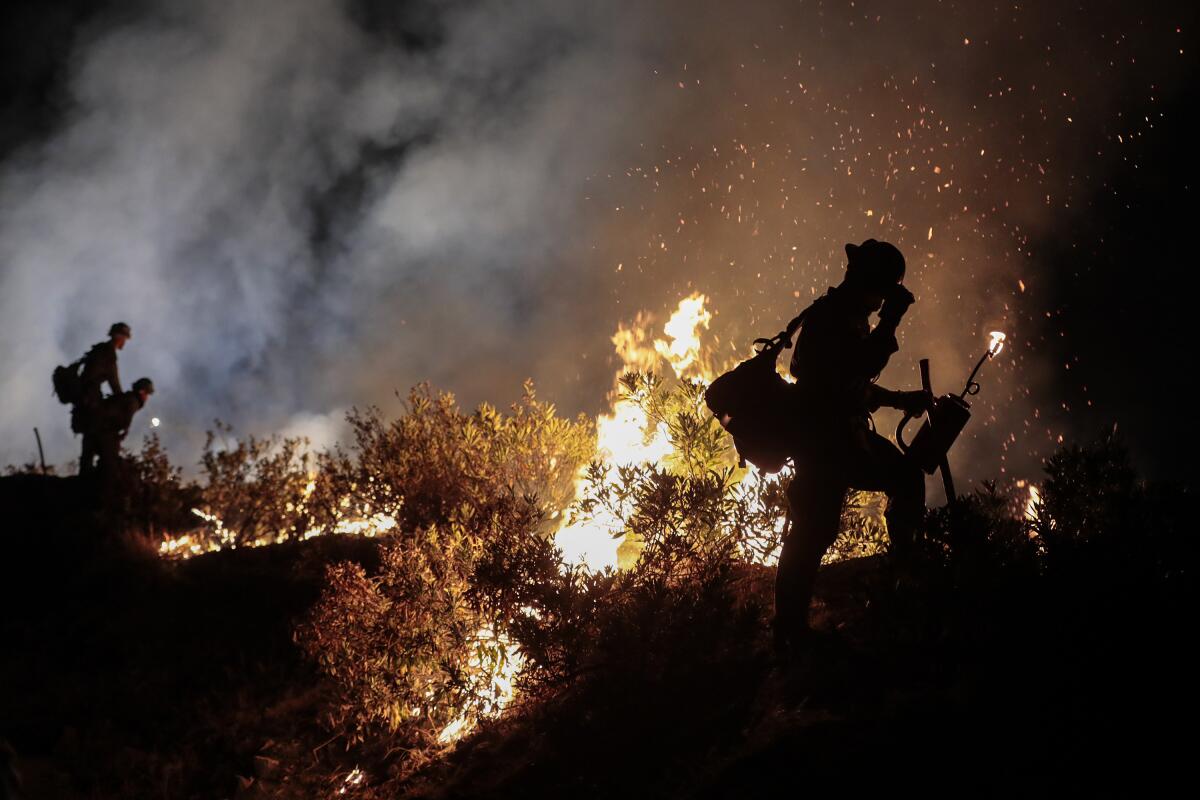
[798, 321]
[783, 339]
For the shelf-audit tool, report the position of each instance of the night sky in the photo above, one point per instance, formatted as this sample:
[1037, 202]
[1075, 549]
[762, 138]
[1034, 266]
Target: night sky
[304, 206]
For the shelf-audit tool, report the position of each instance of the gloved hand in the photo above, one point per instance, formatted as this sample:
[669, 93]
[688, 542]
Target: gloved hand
[914, 403]
[895, 303]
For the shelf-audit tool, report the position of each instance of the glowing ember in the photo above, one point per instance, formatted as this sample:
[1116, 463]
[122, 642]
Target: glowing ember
[220, 537]
[353, 779]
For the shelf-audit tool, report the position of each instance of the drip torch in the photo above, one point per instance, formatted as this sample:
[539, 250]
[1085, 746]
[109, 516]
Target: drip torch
[930, 448]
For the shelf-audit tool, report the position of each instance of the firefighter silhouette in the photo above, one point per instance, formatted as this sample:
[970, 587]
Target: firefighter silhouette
[836, 360]
[99, 368]
[107, 425]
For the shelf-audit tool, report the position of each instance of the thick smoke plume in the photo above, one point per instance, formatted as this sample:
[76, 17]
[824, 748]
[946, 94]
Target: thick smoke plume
[303, 205]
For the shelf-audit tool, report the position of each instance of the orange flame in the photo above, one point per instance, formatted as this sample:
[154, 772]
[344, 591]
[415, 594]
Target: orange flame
[996, 343]
[625, 435]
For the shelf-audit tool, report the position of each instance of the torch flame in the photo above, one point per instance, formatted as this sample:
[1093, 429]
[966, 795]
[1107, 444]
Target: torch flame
[996, 344]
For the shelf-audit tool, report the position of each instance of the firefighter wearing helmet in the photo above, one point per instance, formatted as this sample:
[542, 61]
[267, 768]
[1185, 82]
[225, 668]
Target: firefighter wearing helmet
[100, 364]
[107, 428]
[838, 356]
[99, 368]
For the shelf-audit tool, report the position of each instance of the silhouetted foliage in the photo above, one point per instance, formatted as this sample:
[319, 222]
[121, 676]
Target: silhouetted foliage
[29, 468]
[1051, 627]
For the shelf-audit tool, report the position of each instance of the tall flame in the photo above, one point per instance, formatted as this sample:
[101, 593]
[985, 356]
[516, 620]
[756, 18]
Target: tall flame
[683, 330]
[625, 435]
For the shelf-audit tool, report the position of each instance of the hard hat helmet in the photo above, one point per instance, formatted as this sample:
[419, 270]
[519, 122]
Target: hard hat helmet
[874, 264]
[144, 383]
[120, 329]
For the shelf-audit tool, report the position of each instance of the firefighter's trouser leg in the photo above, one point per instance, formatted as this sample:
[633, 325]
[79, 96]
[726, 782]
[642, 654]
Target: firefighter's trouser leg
[815, 497]
[108, 445]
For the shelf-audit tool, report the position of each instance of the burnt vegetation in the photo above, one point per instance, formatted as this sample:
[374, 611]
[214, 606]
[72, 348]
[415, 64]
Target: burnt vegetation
[300, 658]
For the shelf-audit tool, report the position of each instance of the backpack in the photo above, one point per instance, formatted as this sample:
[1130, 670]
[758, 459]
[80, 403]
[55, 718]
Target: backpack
[68, 384]
[756, 405]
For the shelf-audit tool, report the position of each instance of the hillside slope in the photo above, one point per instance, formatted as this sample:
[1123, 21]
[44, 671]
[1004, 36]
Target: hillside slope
[127, 676]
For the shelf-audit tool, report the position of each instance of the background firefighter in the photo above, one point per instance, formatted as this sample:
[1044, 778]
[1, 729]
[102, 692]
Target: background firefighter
[107, 426]
[836, 360]
[99, 368]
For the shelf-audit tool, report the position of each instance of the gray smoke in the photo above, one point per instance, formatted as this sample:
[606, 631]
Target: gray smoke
[296, 213]
[300, 208]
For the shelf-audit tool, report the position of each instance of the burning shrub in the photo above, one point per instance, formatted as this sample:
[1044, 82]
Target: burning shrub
[689, 520]
[697, 503]
[419, 651]
[255, 489]
[694, 504]
[412, 649]
[156, 497]
[698, 524]
[434, 459]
